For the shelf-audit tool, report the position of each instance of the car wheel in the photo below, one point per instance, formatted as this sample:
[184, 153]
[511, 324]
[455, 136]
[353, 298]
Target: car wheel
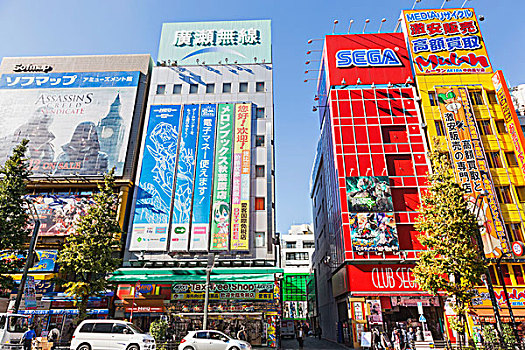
[133, 347]
[188, 348]
[234, 348]
[84, 347]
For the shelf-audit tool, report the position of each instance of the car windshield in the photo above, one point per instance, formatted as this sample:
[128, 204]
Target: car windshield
[17, 324]
[135, 328]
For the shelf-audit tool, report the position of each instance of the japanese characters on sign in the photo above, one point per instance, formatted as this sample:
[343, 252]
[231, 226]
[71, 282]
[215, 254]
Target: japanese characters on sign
[221, 205]
[213, 37]
[256, 291]
[241, 178]
[470, 164]
[183, 191]
[200, 223]
[512, 122]
[446, 41]
[152, 207]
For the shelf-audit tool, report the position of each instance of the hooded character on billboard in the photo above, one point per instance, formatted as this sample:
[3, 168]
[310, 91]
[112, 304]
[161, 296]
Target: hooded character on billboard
[221, 216]
[82, 154]
[36, 130]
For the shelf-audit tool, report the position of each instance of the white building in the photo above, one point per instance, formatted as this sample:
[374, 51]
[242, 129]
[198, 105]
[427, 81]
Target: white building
[297, 249]
[518, 99]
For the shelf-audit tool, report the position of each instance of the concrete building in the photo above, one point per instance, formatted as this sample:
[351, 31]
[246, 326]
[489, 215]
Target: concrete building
[297, 249]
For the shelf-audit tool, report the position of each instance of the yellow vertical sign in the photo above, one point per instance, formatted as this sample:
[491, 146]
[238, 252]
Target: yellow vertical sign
[241, 178]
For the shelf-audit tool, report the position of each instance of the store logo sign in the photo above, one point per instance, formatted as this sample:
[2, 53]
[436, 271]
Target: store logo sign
[32, 68]
[367, 58]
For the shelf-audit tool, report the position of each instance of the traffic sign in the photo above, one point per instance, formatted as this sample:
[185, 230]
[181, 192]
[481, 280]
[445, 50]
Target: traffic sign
[422, 318]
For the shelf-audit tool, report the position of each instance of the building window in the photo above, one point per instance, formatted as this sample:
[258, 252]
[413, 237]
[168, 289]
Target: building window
[259, 203]
[194, 88]
[259, 112]
[432, 98]
[484, 127]
[226, 87]
[515, 231]
[506, 274]
[492, 97]
[161, 89]
[290, 245]
[492, 274]
[259, 141]
[518, 274]
[521, 193]
[297, 256]
[308, 245]
[511, 159]
[501, 127]
[259, 86]
[260, 239]
[494, 160]
[259, 171]
[440, 129]
[476, 98]
[177, 89]
[243, 87]
[210, 88]
[503, 193]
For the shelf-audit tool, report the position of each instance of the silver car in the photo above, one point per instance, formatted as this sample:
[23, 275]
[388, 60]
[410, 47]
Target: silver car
[211, 340]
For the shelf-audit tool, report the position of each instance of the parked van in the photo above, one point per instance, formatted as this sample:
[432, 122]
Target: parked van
[12, 328]
[287, 329]
[110, 335]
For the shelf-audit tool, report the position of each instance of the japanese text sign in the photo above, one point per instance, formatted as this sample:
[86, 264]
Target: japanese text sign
[446, 41]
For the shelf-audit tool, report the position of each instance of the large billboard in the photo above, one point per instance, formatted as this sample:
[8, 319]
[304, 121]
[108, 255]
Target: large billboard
[470, 164]
[77, 123]
[155, 185]
[200, 221]
[241, 178]
[184, 180]
[225, 42]
[368, 194]
[446, 41]
[222, 182]
[373, 232]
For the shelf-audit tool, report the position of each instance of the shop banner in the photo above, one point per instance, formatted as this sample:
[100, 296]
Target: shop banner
[373, 232]
[511, 118]
[223, 291]
[369, 194]
[412, 301]
[200, 221]
[30, 293]
[445, 41]
[470, 164]
[375, 314]
[77, 123]
[295, 309]
[46, 261]
[180, 226]
[382, 279]
[241, 178]
[154, 190]
[221, 205]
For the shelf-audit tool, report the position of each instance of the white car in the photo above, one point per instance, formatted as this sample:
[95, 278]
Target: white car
[110, 335]
[211, 340]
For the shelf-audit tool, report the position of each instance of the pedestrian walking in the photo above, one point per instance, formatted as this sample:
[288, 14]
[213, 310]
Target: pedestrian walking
[419, 334]
[300, 336]
[319, 332]
[241, 334]
[396, 339]
[411, 337]
[53, 337]
[27, 338]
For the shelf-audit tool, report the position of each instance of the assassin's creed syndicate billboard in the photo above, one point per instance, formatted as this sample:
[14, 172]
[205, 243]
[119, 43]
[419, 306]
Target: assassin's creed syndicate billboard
[76, 123]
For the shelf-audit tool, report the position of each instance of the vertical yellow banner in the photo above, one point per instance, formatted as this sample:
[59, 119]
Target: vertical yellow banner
[241, 178]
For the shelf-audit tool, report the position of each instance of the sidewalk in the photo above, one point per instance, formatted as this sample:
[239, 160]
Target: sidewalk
[310, 343]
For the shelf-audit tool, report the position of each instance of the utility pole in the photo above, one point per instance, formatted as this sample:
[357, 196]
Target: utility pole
[209, 269]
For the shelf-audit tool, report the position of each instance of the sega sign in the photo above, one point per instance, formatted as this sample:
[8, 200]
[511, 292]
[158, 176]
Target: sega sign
[367, 58]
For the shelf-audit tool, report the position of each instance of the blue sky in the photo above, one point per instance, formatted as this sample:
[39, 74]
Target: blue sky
[54, 27]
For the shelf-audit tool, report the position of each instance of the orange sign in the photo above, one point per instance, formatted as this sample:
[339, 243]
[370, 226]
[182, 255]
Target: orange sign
[446, 41]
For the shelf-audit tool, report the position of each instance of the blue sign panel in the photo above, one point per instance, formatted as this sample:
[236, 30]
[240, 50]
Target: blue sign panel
[200, 223]
[68, 80]
[150, 222]
[185, 179]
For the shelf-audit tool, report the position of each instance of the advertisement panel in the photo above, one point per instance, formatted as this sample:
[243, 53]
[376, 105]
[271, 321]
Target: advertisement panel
[200, 221]
[375, 314]
[373, 232]
[446, 41]
[180, 226]
[154, 190]
[238, 42]
[470, 164]
[241, 178]
[516, 297]
[369, 194]
[59, 213]
[45, 262]
[221, 206]
[295, 309]
[223, 291]
[30, 293]
[512, 122]
[379, 58]
[77, 123]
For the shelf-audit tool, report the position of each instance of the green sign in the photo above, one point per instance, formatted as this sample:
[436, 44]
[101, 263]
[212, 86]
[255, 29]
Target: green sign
[221, 208]
[227, 42]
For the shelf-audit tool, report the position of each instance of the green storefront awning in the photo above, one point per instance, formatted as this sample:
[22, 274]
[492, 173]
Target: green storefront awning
[193, 275]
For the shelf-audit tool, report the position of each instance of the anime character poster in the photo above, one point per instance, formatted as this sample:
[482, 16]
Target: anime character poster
[221, 205]
[373, 232]
[184, 181]
[154, 190]
[375, 315]
[200, 222]
[369, 194]
[76, 123]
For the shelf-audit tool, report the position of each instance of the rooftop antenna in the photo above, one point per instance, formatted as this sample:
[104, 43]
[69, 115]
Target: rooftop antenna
[415, 2]
[333, 28]
[366, 22]
[443, 4]
[382, 21]
[350, 25]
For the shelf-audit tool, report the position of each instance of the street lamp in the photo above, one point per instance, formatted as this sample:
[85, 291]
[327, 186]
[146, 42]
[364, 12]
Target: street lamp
[209, 268]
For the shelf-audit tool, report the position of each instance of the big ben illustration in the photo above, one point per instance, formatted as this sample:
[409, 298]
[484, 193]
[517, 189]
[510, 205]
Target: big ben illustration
[111, 134]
